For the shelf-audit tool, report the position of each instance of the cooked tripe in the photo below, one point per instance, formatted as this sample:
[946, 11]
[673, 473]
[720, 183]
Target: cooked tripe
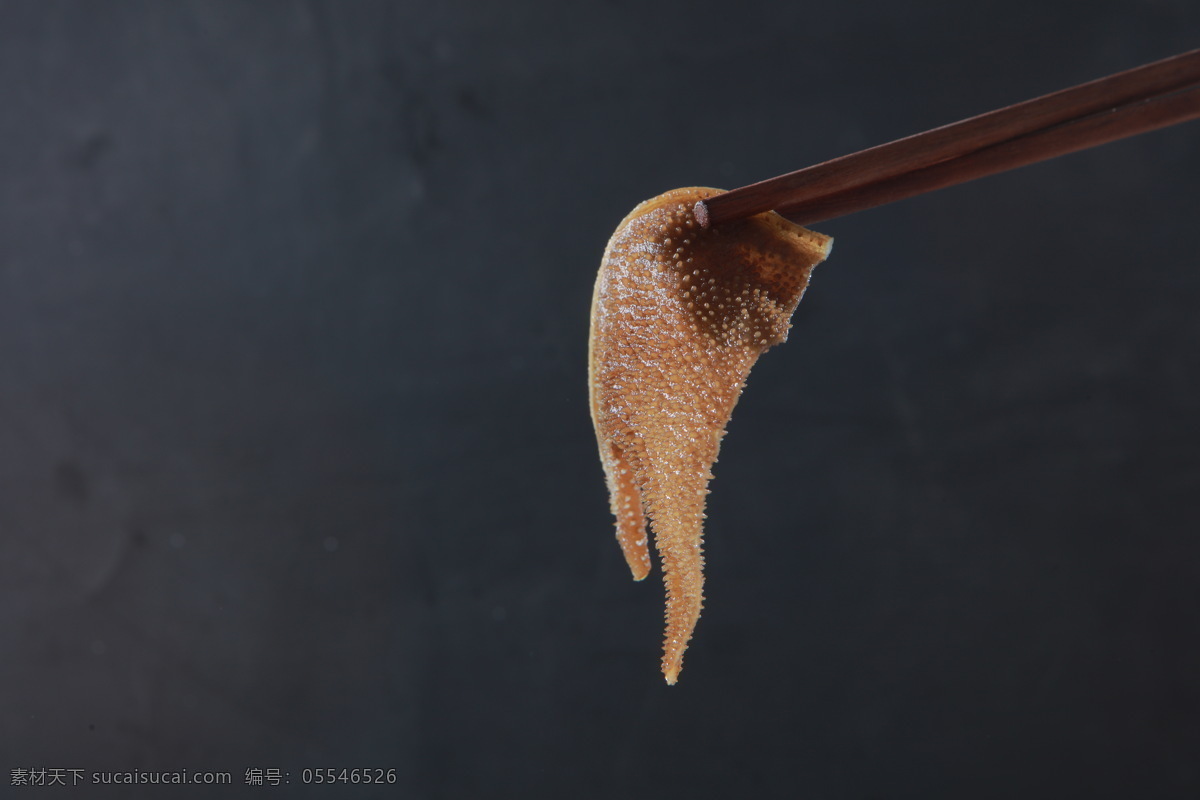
[679, 315]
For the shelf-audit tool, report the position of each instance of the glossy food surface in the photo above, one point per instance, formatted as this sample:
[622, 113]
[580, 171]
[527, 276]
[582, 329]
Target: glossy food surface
[679, 316]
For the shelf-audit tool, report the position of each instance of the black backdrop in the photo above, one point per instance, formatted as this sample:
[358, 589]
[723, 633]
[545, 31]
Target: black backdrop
[296, 469]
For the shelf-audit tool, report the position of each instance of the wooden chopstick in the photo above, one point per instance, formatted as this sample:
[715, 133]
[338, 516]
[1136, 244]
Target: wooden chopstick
[1069, 137]
[1134, 101]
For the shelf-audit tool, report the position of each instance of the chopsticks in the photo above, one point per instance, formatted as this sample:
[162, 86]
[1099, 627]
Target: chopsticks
[1135, 101]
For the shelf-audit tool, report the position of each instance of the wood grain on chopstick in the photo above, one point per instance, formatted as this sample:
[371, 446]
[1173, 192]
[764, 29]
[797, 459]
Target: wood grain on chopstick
[1083, 116]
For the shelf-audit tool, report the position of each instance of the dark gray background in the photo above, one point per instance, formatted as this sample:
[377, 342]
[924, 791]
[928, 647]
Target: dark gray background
[296, 468]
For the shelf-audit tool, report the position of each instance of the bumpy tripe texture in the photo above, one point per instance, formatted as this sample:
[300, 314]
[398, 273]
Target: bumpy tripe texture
[679, 316]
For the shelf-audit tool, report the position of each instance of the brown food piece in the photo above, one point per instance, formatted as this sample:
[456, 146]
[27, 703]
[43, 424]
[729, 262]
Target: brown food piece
[679, 315]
